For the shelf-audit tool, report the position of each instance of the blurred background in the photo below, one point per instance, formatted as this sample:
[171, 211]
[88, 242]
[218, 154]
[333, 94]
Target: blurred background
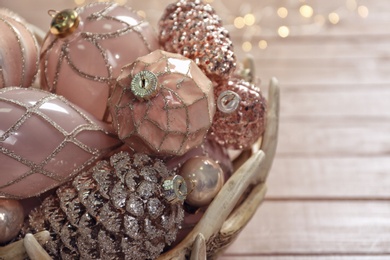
[329, 188]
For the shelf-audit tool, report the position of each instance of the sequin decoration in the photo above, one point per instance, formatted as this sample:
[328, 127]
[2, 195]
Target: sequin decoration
[45, 141]
[177, 118]
[241, 128]
[19, 52]
[193, 29]
[84, 65]
[116, 210]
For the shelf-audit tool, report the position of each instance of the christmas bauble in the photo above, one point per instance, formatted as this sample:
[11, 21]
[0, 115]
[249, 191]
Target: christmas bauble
[11, 219]
[18, 52]
[209, 149]
[162, 104]
[116, 210]
[204, 178]
[45, 141]
[85, 49]
[240, 118]
[193, 29]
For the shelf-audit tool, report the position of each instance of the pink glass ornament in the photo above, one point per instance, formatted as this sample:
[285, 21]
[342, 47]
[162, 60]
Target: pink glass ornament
[83, 66]
[177, 113]
[193, 29]
[240, 117]
[11, 219]
[45, 141]
[18, 52]
[204, 178]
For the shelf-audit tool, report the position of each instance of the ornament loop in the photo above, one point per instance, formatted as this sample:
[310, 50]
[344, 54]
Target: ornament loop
[228, 101]
[64, 22]
[175, 189]
[144, 85]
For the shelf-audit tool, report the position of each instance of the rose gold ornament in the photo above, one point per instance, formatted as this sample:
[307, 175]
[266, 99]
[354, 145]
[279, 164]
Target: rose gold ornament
[11, 219]
[240, 117]
[115, 210]
[193, 29]
[204, 178]
[18, 52]
[86, 48]
[168, 112]
[209, 149]
[45, 141]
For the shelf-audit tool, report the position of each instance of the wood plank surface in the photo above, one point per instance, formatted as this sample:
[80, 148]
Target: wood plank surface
[329, 188]
[317, 228]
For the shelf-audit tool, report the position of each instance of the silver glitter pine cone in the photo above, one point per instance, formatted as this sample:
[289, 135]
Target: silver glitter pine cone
[116, 210]
[193, 29]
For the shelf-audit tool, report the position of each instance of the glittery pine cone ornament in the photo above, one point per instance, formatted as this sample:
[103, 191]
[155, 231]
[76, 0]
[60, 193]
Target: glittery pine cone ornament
[240, 118]
[193, 29]
[116, 210]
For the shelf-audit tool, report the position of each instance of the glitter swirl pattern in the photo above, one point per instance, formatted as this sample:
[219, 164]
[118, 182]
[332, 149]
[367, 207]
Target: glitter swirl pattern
[45, 141]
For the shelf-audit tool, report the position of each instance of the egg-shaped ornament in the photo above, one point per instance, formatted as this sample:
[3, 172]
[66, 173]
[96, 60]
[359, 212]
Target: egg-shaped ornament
[162, 104]
[19, 52]
[45, 141]
[85, 49]
[241, 114]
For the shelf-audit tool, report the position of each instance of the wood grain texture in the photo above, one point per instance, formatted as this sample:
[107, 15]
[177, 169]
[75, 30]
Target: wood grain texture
[329, 188]
[317, 227]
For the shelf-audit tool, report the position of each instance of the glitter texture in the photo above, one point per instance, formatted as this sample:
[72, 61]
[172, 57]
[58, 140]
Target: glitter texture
[45, 141]
[240, 129]
[193, 29]
[19, 52]
[141, 230]
[176, 119]
[84, 65]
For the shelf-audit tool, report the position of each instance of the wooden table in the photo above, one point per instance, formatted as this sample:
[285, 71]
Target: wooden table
[329, 187]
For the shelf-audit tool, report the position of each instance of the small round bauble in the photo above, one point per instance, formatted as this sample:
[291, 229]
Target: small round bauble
[193, 29]
[240, 118]
[85, 49]
[11, 219]
[45, 141]
[204, 178]
[18, 52]
[162, 104]
[116, 210]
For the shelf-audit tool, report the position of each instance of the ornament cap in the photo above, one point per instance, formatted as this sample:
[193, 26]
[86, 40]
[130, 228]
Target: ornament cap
[64, 22]
[144, 85]
[228, 101]
[175, 189]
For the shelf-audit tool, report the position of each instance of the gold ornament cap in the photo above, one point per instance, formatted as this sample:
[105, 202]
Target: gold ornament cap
[144, 85]
[64, 22]
[175, 189]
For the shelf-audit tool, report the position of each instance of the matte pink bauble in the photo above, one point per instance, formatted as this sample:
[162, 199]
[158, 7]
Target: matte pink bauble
[82, 63]
[45, 141]
[240, 117]
[18, 52]
[162, 104]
